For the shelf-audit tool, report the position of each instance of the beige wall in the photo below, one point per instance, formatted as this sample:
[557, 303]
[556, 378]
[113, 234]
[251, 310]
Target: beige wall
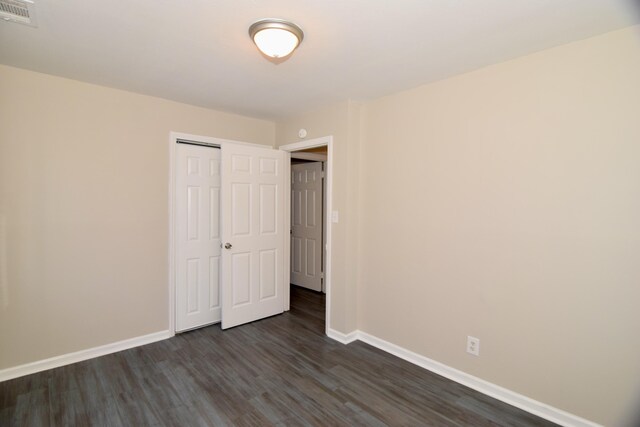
[83, 210]
[505, 204]
[342, 121]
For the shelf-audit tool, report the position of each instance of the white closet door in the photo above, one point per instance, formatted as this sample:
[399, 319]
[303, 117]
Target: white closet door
[197, 236]
[253, 231]
[306, 225]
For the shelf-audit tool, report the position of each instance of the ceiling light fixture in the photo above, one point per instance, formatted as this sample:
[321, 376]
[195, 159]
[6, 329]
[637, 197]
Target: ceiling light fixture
[276, 38]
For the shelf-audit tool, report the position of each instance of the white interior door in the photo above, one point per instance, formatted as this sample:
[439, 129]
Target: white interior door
[253, 231]
[197, 236]
[306, 225]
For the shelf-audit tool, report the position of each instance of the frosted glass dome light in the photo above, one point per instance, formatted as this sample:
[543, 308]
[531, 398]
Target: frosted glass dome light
[276, 38]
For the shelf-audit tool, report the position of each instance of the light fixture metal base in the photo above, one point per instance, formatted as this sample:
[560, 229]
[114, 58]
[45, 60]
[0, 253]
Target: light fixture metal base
[274, 23]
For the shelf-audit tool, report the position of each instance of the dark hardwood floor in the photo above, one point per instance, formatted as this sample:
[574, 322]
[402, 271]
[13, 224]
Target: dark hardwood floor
[278, 371]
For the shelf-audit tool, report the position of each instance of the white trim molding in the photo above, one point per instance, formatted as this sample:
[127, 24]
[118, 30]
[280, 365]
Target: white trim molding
[79, 356]
[341, 337]
[510, 397]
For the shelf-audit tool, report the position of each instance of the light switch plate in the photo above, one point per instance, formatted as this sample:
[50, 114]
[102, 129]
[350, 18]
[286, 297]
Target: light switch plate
[334, 216]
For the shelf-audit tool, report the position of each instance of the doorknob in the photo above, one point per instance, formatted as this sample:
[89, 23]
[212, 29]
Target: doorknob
[227, 245]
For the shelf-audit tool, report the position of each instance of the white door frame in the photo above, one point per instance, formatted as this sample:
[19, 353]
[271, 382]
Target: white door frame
[297, 146]
[316, 157]
[174, 137]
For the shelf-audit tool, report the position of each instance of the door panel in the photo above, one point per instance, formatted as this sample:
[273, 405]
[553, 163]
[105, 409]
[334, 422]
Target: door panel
[241, 278]
[268, 270]
[306, 225]
[197, 236]
[252, 209]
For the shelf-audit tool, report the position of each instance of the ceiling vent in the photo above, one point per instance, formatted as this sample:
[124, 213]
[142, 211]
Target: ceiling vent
[20, 11]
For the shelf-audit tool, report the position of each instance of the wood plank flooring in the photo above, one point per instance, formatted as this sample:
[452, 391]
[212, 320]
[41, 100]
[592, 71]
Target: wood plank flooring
[280, 371]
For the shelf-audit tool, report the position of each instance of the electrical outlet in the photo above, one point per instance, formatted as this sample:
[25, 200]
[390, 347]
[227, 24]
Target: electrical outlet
[473, 345]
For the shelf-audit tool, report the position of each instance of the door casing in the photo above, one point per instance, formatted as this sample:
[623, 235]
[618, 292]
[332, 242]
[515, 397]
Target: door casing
[297, 146]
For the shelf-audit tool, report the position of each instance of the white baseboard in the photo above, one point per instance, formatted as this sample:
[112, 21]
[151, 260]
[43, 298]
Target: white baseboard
[78, 356]
[342, 338]
[525, 403]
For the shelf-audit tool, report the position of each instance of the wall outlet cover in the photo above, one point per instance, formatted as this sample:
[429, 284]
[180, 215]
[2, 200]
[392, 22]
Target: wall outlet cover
[473, 345]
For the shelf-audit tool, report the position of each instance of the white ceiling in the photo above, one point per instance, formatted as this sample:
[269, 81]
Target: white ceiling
[198, 51]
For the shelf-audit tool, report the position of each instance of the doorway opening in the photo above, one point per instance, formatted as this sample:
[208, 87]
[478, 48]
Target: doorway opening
[309, 247]
[307, 214]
